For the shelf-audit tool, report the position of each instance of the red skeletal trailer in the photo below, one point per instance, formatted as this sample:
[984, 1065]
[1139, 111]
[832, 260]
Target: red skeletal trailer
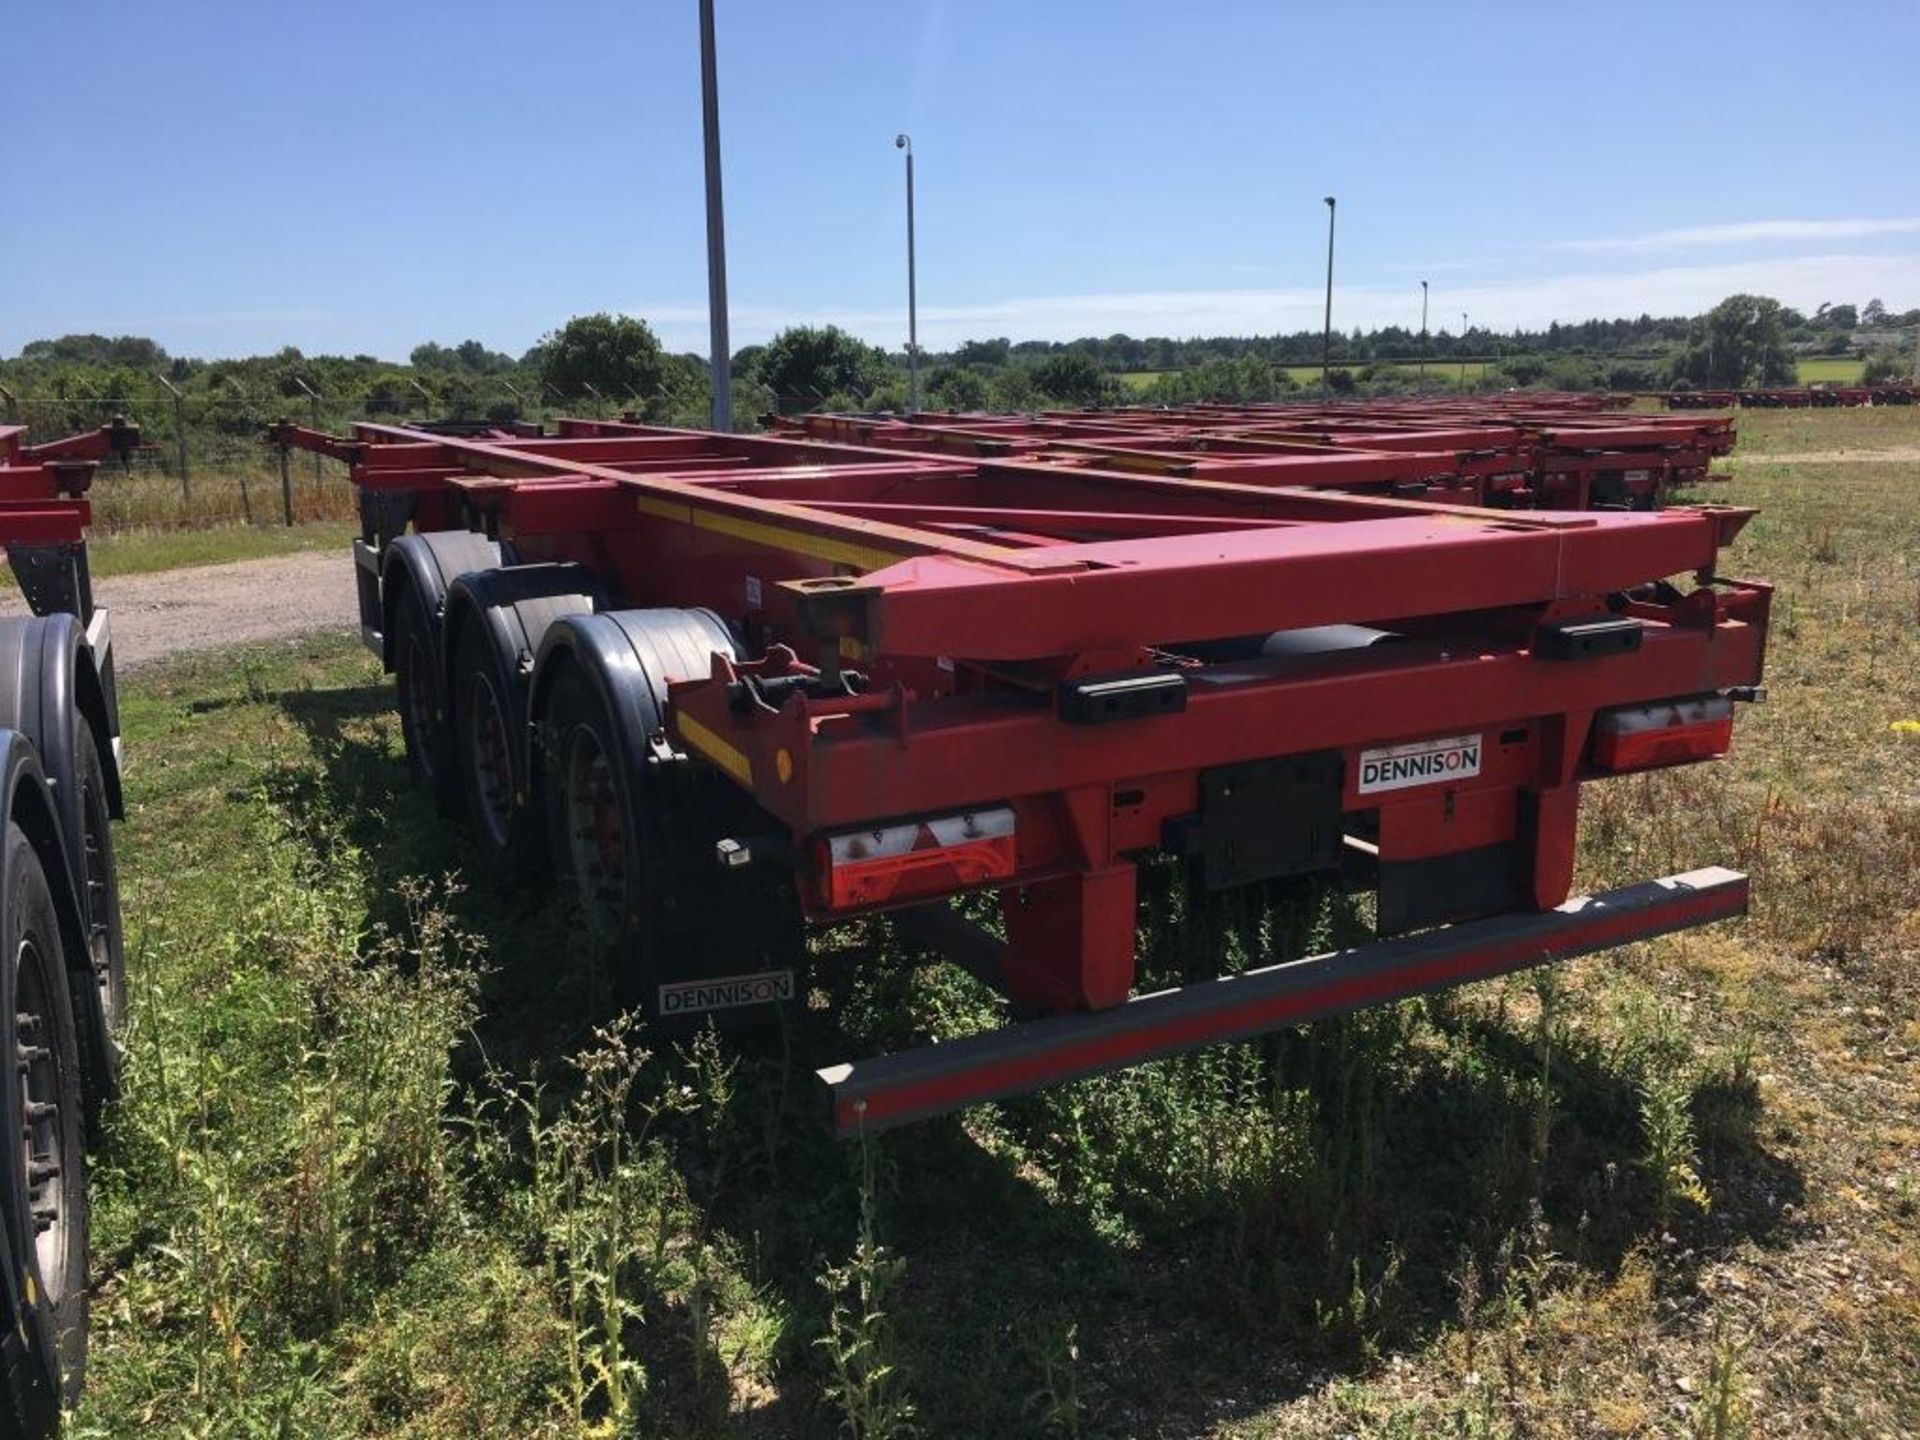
[727, 685]
[60, 934]
[1796, 397]
[1513, 456]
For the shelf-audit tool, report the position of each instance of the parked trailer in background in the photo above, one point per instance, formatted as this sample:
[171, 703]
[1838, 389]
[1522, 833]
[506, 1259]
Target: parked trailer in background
[1794, 397]
[1494, 451]
[62, 975]
[723, 687]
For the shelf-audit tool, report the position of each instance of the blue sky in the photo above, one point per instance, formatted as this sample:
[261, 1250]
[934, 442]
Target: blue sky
[349, 177]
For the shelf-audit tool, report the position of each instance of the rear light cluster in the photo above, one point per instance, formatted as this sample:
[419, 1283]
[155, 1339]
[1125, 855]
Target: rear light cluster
[1671, 732]
[913, 858]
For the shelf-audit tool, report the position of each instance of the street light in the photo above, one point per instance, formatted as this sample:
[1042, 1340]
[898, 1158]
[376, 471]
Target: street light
[1463, 350]
[1423, 337]
[1326, 338]
[905, 142]
[719, 351]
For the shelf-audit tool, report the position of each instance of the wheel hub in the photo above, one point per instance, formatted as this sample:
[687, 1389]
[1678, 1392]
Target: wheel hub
[492, 759]
[39, 1120]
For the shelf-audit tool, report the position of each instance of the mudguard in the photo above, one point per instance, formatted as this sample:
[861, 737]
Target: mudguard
[515, 605]
[29, 1386]
[724, 943]
[630, 657]
[48, 669]
[47, 680]
[426, 566]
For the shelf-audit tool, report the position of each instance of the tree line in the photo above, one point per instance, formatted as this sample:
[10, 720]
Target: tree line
[607, 362]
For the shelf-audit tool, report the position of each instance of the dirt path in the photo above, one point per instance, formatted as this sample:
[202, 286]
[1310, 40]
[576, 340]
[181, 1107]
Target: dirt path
[194, 609]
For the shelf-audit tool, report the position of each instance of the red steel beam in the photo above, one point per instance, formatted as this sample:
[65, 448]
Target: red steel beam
[865, 1096]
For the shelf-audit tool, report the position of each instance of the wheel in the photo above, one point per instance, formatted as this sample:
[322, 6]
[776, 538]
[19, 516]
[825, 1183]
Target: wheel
[45, 1170]
[100, 1053]
[417, 691]
[492, 760]
[593, 826]
[679, 936]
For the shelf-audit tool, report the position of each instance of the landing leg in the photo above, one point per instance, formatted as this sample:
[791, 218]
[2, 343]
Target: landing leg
[1070, 940]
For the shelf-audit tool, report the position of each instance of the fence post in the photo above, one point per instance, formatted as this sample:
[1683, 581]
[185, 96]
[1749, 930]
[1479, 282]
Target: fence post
[286, 482]
[313, 404]
[426, 410]
[599, 401]
[179, 437]
[13, 405]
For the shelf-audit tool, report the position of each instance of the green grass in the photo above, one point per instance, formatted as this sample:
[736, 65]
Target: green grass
[142, 552]
[1830, 369]
[356, 1188]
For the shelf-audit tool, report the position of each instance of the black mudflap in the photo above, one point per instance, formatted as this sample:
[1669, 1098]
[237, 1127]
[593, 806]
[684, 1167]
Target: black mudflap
[1417, 894]
[726, 942]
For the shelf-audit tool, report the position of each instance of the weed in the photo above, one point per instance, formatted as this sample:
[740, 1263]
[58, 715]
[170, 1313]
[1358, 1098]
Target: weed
[1722, 1411]
[601, 1209]
[1666, 1121]
[1059, 1401]
[866, 1382]
[1821, 547]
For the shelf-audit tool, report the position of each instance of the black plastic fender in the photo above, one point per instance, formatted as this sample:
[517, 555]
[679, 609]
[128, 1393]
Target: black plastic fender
[29, 1382]
[630, 657]
[47, 672]
[495, 621]
[515, 605]
[49, 690]
[425, 566]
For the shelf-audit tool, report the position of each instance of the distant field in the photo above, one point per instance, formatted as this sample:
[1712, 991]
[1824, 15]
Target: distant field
[1307, 377]
[1832, 370]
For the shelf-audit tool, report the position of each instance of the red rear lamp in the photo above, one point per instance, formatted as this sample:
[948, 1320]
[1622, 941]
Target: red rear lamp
[1672, 732]
[916, 858]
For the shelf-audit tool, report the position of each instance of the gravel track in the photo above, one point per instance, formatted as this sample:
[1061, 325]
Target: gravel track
[170, 611]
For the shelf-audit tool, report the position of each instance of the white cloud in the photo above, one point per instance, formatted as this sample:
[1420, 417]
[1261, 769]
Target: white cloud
[1747, 232]
[1802, 281]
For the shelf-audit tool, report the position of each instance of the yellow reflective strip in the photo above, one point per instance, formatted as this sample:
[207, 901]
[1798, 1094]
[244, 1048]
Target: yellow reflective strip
[666, 509]
[775, 537]
[821, 547]
[715, 749]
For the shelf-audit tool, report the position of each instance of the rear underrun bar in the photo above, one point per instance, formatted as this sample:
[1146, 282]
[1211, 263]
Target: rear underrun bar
[876, 1094]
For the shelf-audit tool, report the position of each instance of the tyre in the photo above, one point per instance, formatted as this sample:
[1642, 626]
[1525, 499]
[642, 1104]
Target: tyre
[106, 946]
[593, 827]
[489, 737]
[686, 941]
[423, 708]
[44, 1173]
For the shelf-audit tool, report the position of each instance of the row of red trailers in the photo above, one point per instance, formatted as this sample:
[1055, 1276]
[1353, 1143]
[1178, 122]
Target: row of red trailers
[721, 688]
[1557, 452]
[1796, 397]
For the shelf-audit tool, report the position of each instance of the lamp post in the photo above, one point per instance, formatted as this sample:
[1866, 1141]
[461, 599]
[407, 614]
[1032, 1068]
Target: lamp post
[905, 142]
[1326, 336]
[720, 353]
[1423, 337]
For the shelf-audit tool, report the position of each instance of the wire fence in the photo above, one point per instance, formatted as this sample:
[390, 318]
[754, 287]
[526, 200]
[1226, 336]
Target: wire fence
[203, 458]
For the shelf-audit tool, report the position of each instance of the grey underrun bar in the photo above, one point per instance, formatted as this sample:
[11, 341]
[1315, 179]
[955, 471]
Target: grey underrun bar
[870, 1095]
